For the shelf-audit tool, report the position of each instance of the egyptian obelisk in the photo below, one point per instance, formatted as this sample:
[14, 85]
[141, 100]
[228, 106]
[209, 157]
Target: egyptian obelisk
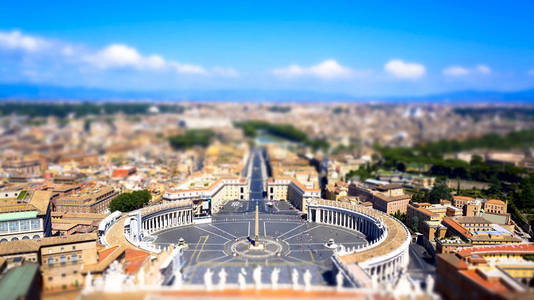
[255, 244]
[257, 227]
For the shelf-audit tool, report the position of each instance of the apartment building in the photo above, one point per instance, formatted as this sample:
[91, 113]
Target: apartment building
[61, 258]
[87, 200]
[21, 220]
[496, 272]
[386, 197]
[292, 190]
[208, 192]
[491, 206]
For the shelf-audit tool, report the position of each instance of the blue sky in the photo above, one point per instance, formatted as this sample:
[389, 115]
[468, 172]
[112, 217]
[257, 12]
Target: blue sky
[381, 48]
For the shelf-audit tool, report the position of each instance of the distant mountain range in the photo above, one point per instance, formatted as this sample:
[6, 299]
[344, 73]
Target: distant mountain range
[49, 93]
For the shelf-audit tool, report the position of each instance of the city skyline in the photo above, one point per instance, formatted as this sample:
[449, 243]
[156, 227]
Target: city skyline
[348, 48]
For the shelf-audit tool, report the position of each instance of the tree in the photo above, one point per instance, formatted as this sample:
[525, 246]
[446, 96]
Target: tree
[526, 196]
[401, 167]
[420, 196]
[415, 223]
[191, 138]
[130, 201]
[439, 191]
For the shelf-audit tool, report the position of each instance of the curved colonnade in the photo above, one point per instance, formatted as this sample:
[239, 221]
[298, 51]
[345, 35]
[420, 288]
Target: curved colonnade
[148, 220]
[386, 255]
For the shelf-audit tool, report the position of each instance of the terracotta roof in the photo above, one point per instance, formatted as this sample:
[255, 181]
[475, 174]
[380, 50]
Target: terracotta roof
[41, 199]
[459, 228]
[105, 258]
[526, 248]
[495, 201]
[17, 207]
[390, 186]
[471, 219]
[69, 239]
[133, 260]
[454, 260]
[464, 198]
[492, 285]
[20, 246]
[391, 199]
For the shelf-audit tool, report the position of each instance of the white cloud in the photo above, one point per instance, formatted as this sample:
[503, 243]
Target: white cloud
[483, 69]
[15, 40]
[187, 68]
[289, 71]
[113, 56]
[225, 72]
[328, 69]
[404, 70]
[455, 71]
[123, 56]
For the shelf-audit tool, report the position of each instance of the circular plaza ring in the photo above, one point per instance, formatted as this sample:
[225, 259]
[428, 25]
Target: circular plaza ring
[269, 247]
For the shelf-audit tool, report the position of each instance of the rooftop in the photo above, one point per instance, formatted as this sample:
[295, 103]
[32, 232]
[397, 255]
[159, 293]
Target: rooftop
[15, 284]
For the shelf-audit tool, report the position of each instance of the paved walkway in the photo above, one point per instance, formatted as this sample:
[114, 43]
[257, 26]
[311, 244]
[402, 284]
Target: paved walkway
[115, 235]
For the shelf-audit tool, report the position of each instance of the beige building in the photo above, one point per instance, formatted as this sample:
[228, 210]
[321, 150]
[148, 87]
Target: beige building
[28, 219]
[495, 206]
[336, 190]
[87, 200]
[61, 258]
[292, 190]
[472, 206]
[209, 193]
[389, 198]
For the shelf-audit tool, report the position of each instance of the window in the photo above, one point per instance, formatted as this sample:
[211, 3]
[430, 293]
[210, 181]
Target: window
[36, 224]
[50, 278]
[62, 259]
[25, 225]
[3, 227]
[14, 226]
[50, 260]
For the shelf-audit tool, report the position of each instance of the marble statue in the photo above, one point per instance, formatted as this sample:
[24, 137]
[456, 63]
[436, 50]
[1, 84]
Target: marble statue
[241, 281]
[339, 280]
[141, 277]
[429, 284]
[256, 276]
[222, 279]
[178, 280]
[89, 281]
[207, 279]
[295, 278]
[306, 277]
[275, 275]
